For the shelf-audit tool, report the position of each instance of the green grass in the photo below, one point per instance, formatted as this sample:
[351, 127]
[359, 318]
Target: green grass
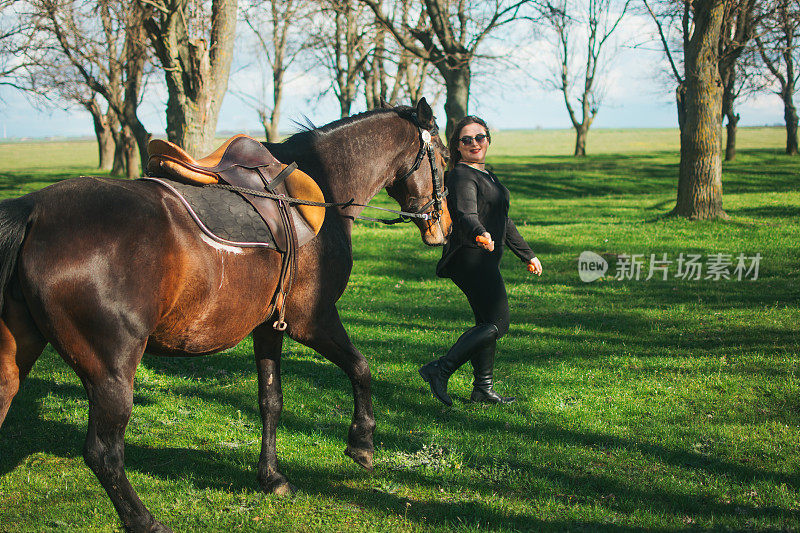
[644, 405]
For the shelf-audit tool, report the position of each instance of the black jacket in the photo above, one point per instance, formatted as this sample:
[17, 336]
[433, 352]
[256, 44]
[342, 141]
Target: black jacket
[478, 203]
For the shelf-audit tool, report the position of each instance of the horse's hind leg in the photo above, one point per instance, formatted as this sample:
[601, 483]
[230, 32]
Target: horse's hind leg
[267, 345]
[109, 386]
[327, 335]
[21, 344]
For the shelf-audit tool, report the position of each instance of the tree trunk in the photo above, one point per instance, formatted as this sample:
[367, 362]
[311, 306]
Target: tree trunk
[728, 75]
[730, 140]
[103, 132]
[456, 105]
[196, 73]
[140, 140]
[344, 106]
[119, 159]
[118, 169]
[790, 116]
[700, 178]
[581, 133]
[271, 129]
[275, 115]
[105, 143]
[131, 153]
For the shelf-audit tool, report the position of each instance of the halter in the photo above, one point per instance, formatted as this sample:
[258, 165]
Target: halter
[439, 193]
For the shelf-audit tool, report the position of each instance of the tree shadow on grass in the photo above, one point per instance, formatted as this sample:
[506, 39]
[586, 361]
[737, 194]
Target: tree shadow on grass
[767, 211]
[564, 177]
[17, 183]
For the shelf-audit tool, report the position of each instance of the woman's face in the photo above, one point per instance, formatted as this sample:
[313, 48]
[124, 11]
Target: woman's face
[474, 152]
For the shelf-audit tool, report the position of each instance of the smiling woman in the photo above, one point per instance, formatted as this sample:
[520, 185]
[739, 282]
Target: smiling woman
[479, 209]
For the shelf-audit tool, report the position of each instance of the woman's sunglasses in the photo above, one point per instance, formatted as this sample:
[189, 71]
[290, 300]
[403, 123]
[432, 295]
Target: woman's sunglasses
[480, 138]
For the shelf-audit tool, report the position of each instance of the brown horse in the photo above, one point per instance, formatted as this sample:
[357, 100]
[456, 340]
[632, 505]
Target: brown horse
[106, 269]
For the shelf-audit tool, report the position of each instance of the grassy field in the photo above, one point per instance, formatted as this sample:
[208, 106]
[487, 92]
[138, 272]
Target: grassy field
[644, 405]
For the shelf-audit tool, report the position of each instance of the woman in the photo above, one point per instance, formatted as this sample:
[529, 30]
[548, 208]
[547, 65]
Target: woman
[478, 205]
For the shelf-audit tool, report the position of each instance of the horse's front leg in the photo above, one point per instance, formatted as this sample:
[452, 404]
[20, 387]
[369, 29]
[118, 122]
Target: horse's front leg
[327, 335]
[267, 344]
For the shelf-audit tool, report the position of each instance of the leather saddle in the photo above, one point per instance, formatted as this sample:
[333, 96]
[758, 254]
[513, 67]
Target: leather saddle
[244, 162]
[245, 165]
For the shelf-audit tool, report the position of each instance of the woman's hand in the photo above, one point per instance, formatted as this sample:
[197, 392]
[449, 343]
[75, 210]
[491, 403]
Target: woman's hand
[535, 267]
[485, 241]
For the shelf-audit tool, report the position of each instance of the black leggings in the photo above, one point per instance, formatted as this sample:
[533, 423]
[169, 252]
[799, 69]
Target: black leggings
[477, 273]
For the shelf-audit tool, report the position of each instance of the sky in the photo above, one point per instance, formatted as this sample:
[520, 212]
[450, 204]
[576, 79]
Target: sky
[638, 94]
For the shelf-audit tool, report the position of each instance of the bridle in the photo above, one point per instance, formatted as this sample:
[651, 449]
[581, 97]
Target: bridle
[439, 192]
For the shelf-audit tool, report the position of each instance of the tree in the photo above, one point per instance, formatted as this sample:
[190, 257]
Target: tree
[737, 31]
[46, 89]
[279, 27]
[195, 49]
[14, 40]
[699, 100]
[391, 71]
[376, 86]
[103, 46]
[342, 40]
[778, 48]
[449, 38]
[564, 18]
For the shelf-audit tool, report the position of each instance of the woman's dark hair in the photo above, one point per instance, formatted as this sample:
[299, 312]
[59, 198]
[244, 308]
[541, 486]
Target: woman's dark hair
[452, 145]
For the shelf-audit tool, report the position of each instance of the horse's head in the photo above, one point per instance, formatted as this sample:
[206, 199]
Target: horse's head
[418, 185]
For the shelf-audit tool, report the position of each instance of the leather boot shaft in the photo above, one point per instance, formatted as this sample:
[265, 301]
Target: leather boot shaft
[483, 366]
[483, 371]
[468, 344]
[437, 373]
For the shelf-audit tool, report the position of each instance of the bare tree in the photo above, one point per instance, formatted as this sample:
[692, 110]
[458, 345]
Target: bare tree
[343, 37]
[195, 48]
[14, 40]
[698, 26]
[280, 28]
[106, 127]
[778, 48]
[449, 39]
[582, 25]
[103, 48]
[738, 29]
[50, 80]
[374, 72]
[392, 72]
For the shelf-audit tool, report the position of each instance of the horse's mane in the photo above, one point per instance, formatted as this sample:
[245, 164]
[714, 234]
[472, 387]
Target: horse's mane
[309, 132]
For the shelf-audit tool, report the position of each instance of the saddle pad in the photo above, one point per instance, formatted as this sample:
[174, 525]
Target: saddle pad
[223, 215]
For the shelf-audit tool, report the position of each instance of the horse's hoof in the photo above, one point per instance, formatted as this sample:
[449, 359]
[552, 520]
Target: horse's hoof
[361, 456]
[278, 487]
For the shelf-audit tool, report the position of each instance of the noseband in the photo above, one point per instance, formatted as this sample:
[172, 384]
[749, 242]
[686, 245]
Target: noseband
[439, 193]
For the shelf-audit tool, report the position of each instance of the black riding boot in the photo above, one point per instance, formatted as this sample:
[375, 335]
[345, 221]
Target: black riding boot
[483, 370]
[436, 373]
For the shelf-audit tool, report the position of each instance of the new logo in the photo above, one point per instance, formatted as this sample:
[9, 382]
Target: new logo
[591, 266]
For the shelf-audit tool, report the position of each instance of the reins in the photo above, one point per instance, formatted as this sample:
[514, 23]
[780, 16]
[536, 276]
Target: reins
[274, 183]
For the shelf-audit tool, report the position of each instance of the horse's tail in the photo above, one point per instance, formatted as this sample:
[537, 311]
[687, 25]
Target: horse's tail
[15, 215]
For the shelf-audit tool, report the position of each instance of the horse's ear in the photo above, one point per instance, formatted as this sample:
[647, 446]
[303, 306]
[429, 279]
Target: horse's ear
[385, 104]
[424, 113]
